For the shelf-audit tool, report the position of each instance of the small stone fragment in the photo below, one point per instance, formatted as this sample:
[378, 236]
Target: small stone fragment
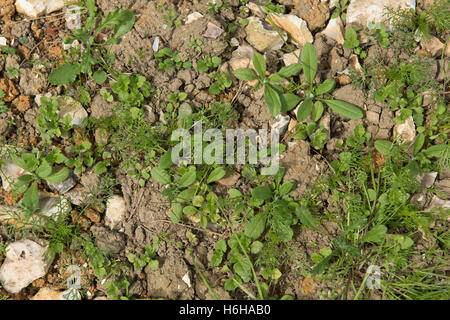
[373, 117]
[32, 81]
[362, 12]
[71, 107]
[36, 8]
[22, 103]
[295, 27]
[9, 173]
[9, 90]
[281, 124]
[354, 64]
[53, 206]
[212, 31]
[115, 211]
[315, 12]
[47, 294]
[230, 180]
[262, 36]
[193, 17]
[92, 215]
[426, 179]
[291, 57]
[406, 131]
[335, 30]
[432, 45]
[437, 203]
[24, 263]
[63, 187]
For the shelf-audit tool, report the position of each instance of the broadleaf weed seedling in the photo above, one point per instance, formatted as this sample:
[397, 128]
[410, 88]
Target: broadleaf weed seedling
[85, 60]
[279, 101]
[39, 166]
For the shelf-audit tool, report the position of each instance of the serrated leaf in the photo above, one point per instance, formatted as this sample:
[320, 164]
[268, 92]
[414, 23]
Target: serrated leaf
[255, 227]
[221, 245]
[186, 195]
[383, 146]
[306, 217]
[216, 258]
[287, 187]
[321, 266]
[176, 212]
[160, 175]
[351, 39]
[22, 184]
[256, 247]
[439, 150]
[100, 167]
[64, 74]
[31, 162]
[262, 193]
[18, 161]
[234, 193]
[345, 109]
[189, 210]
[309, 60]
[275, 78]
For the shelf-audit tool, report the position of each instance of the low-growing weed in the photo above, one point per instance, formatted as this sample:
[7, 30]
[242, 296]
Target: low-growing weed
[279, 101]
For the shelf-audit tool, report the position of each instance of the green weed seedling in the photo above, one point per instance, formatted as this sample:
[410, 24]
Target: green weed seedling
[341, 9]
[196, 44]
[8, 50]
[208, 63]
[131, 90]
[148, 258]
[221, 82]
[39, 166]
[309, 131]
[351, 42]
[171, 18]
[276, 8]
[83, 95]
[83, 157]
[378, 34]
[85, 61]
[49, 123]
[214, 8]
[278, 216]
[411, 27]
[3, 106]
[279, 101]
[169, 59]
[189, 190]
[13, 72]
